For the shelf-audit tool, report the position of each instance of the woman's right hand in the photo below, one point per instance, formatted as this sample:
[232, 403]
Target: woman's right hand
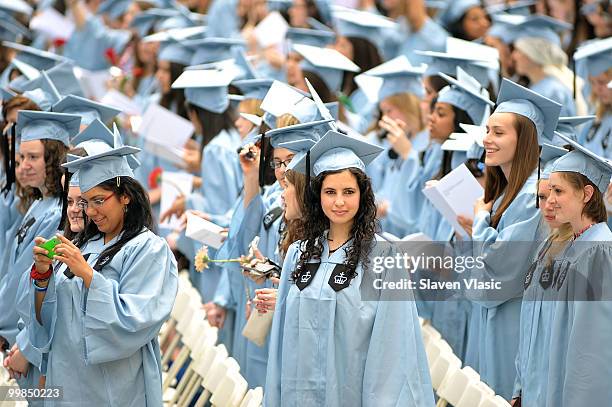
[265, 299]
[215, 314]
[250, 166]
[41, 261]
[396, 135]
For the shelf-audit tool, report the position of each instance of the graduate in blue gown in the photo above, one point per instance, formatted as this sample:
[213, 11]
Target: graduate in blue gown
[465, 19]
[504, 229]
[464, 101]
[593, 62]
[328, 346]
[537, 308]
[120, 289]
[580, 355]
[39, 131]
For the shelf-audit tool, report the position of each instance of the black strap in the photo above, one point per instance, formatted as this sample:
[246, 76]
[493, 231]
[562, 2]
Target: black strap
[271, 217]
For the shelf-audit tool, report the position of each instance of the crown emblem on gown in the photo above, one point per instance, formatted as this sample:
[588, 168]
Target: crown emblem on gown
[340, 279]
[305, 277]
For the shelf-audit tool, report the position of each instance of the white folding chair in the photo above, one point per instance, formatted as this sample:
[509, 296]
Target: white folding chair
[434, 348]
[230, 391]
[474, 393]
[497, 401]
[216, 373]
[445, 365]
[253, 398]
[429, 333]
[453, 387]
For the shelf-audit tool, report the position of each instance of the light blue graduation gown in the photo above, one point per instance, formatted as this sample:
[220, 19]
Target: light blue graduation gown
[551, 88]
[537, 310]
[494, 339]
[431, 37]
[87, 46]
[331, 348]
[9, 222]
[233, 287]
[103, 340]
[223, 19]
[221, 178]
[602, 135]
[407, 200]
[580, 369]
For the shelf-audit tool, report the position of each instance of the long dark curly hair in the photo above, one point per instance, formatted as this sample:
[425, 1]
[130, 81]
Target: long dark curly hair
[363, 230]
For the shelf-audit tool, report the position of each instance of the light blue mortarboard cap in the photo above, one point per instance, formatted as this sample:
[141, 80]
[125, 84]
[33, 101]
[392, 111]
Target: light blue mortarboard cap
[583, 161]
[364, 25]
[16, 6]
[522, 7]
[34, 125]
[11, 29]
[97, 139]
[532, 26]
[176, 52]
[548, 155]
[93, 170]
[212, 49]
[43, 92]
[65, 80]
[337, 151]
[309, 36]
[207, 89]
[41, 60]
[391, 78]
[87, 109]
[7, 94]
[594, 58]
[467, 94]
[448, 63]
[455, 10]
[312, 130]
[254, 88]
[543, 112]
[567, 126]
[327, 63]
[114, 8]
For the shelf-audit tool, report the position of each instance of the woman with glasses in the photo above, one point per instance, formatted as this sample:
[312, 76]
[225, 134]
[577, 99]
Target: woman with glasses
[98, 315]
[45, 138]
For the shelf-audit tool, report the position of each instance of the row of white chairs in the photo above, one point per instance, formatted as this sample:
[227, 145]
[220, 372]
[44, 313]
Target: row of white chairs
[208, 373]
[460, 387]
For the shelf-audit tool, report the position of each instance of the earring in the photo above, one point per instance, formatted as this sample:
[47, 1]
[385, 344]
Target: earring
[125, 209]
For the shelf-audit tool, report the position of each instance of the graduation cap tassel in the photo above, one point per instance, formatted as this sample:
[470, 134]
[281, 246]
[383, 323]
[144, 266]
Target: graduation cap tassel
[574, 77]
[7, 164]
[308, 191]
[64, 200]
[262, 162]
[12, 162]
[537, 198]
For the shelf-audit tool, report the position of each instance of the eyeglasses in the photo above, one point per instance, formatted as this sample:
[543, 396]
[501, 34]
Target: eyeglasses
[276, 164]
[95, 203]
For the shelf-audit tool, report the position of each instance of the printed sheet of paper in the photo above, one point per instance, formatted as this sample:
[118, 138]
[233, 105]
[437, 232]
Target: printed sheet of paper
[173, 185]
[455, 195]
[271, 30]
[204, 231]
[161, 126]
[52, 24]
[121, 101]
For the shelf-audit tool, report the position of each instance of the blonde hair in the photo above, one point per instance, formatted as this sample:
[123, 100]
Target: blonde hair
[251, 106]
[601, 109]
[286, 120]
[410, 106]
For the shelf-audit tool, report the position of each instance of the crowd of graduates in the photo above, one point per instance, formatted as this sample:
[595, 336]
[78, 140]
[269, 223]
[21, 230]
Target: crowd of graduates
[315, 128]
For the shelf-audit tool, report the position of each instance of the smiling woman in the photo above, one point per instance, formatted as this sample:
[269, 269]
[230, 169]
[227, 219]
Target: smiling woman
[128, 277]
[347, 346]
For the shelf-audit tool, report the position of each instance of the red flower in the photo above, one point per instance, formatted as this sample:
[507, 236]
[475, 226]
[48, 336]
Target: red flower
[137, 72]
[155, 177]
[111, 56]
[59, 42]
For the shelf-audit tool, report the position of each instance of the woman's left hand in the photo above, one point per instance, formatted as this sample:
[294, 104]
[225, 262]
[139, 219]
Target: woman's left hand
[481, 205]
[265, 299]
[16, 363]
[71, 256]
[397, 135]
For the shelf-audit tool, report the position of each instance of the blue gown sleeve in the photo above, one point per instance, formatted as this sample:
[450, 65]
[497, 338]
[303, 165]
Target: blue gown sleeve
[273, 374]
[507, 250]
[125, 315]
[396, 369]
[585, 334]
